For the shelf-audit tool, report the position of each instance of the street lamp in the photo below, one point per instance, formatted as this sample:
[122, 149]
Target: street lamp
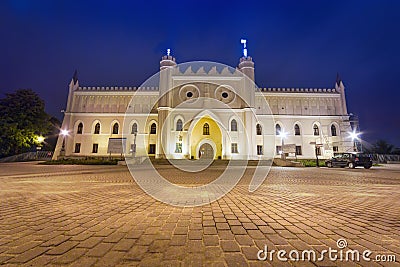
[64, 133]
[354, 136]
[40, 140]
[283, 135]
[134, 144]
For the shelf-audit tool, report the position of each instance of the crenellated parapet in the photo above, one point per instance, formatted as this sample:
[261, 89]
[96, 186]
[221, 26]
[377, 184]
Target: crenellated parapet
[116, 88]
[299, 90]
[206, 70]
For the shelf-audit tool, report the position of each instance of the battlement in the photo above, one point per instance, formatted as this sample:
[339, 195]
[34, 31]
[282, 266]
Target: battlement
[248, 58]
[225, 71]
[116, 88]
[168, 58]
[299, 90]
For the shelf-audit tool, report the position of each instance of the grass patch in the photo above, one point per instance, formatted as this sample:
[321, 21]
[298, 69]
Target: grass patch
[312, 162]
[81, 162]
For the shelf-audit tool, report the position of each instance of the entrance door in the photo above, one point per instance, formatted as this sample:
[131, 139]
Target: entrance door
[206, 151]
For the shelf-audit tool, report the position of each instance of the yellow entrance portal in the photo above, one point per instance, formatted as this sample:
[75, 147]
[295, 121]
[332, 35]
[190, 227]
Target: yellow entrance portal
[206, 139]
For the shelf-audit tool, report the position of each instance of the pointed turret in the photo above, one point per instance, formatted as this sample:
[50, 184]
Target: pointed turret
[75, 77]
[246, 64]
[74, 84]
[339, 87]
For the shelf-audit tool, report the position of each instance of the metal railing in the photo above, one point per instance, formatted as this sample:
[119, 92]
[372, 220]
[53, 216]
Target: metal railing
[29, 156]
[384, 158]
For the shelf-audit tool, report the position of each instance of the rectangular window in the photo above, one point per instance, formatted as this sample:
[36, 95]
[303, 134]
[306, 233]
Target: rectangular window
[234, 148]
[95, 148]
[335, 149]
[298, 150]
[318, 151]
[260, 150]
[278, 150]
[178, 148]
[77, 148]
[152, 149]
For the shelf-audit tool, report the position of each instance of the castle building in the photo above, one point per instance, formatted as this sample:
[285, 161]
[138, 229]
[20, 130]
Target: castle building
[233, 119]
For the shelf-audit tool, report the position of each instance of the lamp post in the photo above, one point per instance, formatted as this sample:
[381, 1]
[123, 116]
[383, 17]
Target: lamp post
[64, 133]
[282, 134]
[134, 144]
[40, 140]
[354, 136]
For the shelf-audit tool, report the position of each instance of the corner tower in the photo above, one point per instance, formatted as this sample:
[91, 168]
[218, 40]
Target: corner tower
[167, 64]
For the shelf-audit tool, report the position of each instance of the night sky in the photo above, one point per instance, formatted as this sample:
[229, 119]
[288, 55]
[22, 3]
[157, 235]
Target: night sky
[293, 44]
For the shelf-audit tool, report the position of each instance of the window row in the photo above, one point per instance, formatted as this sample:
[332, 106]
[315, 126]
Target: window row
[115, 128]
[297, 131]
[206, 128]
[234, 149]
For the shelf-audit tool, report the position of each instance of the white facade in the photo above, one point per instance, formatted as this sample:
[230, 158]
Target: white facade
[185, 101]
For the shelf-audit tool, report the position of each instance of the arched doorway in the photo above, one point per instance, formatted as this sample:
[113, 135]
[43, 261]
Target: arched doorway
[205, 131]
[206, 151]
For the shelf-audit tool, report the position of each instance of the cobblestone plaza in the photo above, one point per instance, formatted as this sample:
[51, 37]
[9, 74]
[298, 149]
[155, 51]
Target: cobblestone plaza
[97, 215]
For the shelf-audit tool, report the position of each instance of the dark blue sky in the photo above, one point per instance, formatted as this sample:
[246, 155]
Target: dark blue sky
[293, 43]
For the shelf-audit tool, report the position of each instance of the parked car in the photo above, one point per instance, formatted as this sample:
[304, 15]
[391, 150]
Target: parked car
[349, 159]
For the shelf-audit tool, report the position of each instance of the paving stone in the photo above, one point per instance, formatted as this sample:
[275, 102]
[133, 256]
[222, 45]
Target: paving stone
[124, 244]
[100, 250]
[91, 242]
[211, 240]
[178, 240]
[209, 230]
[250, 253]
[244, 240]
[62, 248]
[229, 246]
[70, 256]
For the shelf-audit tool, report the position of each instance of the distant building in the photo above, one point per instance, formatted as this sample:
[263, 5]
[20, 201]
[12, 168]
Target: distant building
[314, 120]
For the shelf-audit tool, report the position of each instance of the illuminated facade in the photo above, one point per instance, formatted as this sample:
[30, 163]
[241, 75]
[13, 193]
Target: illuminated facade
[166, 123]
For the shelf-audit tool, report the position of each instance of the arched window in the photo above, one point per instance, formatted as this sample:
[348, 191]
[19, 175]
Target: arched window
[206, 129]
[179, 125]
[153, 129]
[115, 128]
[316, 129]
[80, 128]
[333, 130]
[296, 129]
[258, 129]
[97, 128]
[233, 126]
[134, 128]
[278, 129]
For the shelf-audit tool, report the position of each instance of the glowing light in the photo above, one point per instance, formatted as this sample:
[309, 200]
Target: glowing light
[168, 52]
[64, 132]
[282, 134]
[354, 135]
[40, 139]
[244, 41]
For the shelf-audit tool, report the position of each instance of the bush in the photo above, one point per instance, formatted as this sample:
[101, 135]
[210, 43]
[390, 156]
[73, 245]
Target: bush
[81, 162]
[312, 162]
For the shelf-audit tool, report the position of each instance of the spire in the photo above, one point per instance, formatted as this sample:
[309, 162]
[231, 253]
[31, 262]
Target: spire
[244, 42]
[75, 77]
[338, 80]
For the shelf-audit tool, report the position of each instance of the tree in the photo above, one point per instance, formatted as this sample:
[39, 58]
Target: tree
[22, 120]
[382, 147]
